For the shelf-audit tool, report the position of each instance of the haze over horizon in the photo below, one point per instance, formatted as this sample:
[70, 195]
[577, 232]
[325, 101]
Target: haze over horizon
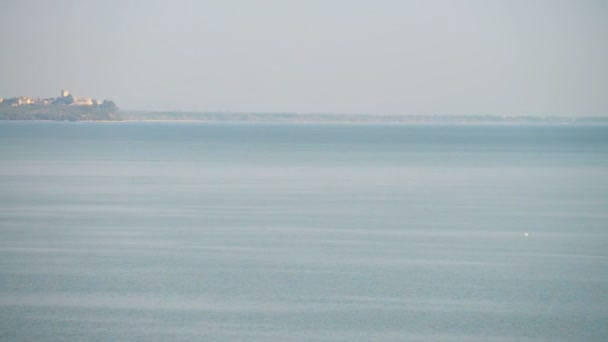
[534, 57]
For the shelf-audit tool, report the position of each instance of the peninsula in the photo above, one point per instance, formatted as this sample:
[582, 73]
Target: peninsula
[63, 108]
[70, 108]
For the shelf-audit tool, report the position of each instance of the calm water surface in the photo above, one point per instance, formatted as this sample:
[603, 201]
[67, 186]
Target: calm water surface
[223, 232]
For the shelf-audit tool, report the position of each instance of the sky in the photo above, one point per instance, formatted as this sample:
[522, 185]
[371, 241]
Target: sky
[431, 57]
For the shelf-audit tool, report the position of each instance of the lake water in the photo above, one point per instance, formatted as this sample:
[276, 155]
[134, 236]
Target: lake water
[223, 232]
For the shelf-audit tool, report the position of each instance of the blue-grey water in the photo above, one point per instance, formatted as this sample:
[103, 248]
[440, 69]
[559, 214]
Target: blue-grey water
[223, 232]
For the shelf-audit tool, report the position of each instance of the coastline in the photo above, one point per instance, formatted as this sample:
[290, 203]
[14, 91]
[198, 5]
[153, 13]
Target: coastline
[310, 118]
[329, 122]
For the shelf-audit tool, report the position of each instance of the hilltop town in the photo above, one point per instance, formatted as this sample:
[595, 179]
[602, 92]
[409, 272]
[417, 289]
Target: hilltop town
[63, 108]
[64, 98]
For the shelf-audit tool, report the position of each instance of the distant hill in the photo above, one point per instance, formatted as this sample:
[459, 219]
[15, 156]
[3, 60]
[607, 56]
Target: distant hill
[59, 111]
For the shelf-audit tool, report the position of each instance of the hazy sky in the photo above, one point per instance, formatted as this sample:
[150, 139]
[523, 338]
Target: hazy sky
[377, 56]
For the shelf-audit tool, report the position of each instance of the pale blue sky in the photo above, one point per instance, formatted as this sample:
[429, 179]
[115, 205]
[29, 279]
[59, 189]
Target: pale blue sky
[512, 57]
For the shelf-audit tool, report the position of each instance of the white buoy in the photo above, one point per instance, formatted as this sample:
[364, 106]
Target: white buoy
[526, 234]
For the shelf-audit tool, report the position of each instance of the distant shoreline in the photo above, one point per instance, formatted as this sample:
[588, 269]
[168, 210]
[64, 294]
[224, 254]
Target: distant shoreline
[301, 118]
[298, 118]
[429, 123]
